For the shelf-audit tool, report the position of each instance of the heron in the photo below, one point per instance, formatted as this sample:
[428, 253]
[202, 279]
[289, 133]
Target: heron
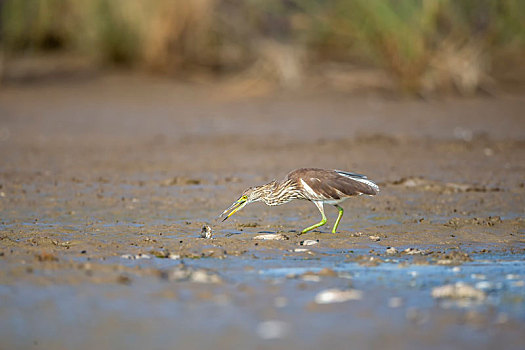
[320, 186]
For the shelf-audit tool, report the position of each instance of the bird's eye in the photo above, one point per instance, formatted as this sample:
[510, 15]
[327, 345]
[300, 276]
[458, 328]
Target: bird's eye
[244, 198]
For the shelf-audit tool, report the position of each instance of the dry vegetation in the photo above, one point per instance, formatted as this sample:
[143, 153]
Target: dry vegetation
[425, 46]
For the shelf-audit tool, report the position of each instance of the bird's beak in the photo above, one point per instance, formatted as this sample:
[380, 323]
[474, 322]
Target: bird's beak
[235, 207]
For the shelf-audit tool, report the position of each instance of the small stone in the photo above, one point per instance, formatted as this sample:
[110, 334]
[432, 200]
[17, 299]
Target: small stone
[309, 242]
[272, 237]
[124, 279]
[511, 276]
[183, 273]
[45, 256]
[502, 318]
[273, 329]
[280, 301]
[327, 272]
[203, 276]
[484, 285]
[459, 290]
[375, 238]
[135, 257]
[413, 251]
[310, 277]
[391, 251]
[395, 302]
[335, 295]
[301, 250]
[445, 262]
[206, 232]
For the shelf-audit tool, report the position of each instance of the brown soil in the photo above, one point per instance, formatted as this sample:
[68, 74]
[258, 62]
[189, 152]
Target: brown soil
[94, 170]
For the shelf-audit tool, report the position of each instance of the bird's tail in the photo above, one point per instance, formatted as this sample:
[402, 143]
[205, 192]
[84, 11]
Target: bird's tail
[372, 187]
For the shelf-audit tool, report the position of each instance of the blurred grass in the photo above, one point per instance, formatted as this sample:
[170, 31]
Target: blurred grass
[425, 45]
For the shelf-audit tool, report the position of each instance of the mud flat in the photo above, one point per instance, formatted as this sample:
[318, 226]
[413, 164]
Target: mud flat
[105, 186]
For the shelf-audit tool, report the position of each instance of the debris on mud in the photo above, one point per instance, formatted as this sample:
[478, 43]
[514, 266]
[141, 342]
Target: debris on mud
[453, 257]
[375, 238]
[370, 261]
[329, 296]
[272, 236]
[206, 232]
[180, 181]
[247, 225]
[459, 290]
[447, 187]
[459, 222]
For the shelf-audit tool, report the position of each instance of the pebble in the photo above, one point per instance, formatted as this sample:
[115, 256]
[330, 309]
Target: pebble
[413, 251]
[202, 276]
[335, 295]
[280, 301]
[488, 151]
[502, 318]
[395, 302]
[206, 232]
[484, 285]
[309, 242]
[375, 238]
[459, 290]
[135, 257]
[182, 273]
[445, 262]
[391, 251]
[272, 237]
[273, 329]
[308, 277]
[518, 284]
[327, 272]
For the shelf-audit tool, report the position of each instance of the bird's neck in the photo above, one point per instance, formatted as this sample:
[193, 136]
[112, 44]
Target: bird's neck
[277, 193]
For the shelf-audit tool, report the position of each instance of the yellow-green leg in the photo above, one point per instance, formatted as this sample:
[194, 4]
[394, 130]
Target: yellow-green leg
[339, 216]
[321, 223]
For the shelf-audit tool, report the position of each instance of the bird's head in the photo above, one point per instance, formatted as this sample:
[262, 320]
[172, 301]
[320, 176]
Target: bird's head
[251, 194]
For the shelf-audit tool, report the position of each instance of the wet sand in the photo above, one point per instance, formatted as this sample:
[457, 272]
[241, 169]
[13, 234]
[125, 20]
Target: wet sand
[105, 185]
